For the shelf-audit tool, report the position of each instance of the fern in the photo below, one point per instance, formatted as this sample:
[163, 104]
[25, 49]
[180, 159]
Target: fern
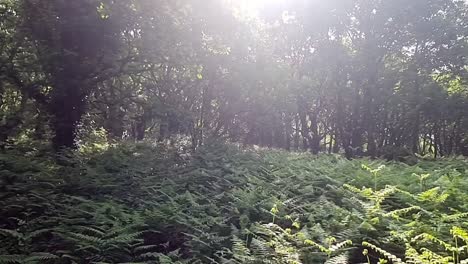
[222, 204]
[383, 252]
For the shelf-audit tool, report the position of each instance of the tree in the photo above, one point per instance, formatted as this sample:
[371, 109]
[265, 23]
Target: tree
[76, 41]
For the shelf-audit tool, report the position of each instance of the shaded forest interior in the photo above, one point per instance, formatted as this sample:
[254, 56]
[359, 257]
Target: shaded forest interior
[360, 77]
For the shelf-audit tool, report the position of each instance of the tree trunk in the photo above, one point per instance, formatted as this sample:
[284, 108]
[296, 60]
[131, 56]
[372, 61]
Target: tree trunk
[163, 128]
[314, 141]
[302, 110]
[67, 107]
[356, 134]
[336, 142]
[140, 128]
[114, 123]
[296, 132]
[40, 126]
[287, 131]
[415, 134]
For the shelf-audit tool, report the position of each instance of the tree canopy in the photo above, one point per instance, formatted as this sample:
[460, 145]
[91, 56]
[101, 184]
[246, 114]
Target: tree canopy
[363, 77]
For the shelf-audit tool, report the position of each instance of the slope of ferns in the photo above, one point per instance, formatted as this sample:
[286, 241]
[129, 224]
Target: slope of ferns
[223, 204]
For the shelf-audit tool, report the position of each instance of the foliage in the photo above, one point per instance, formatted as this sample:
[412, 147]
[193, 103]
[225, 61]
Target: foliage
[115, 118]
[225, 204]
[363, 77]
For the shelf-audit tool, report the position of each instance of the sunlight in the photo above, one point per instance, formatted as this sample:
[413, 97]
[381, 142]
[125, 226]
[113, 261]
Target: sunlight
[251, 8]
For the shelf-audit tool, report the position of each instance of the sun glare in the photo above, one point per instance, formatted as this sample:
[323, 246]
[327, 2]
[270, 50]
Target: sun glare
[251, 8]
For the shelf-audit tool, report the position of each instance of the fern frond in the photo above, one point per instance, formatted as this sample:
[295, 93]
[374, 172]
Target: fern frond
[340, 245]
[11, 233]
[340, 259]
[383, 252]
[8, 259]
[40, 257]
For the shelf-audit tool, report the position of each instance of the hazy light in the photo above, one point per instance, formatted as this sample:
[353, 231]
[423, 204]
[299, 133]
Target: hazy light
[251, 8]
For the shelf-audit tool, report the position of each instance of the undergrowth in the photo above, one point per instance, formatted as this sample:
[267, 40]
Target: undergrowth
[222, 204]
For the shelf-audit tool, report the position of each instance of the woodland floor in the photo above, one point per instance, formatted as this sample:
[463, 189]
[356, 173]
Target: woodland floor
[223, 204]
